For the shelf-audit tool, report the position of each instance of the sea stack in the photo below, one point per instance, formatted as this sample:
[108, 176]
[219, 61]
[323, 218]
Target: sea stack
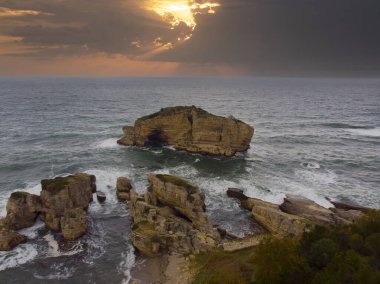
[190, 129]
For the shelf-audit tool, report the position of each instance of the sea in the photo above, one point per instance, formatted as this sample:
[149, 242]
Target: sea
[315, 137]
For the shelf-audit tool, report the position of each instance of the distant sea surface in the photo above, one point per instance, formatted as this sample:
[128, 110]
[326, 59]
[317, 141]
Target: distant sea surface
[313, 137]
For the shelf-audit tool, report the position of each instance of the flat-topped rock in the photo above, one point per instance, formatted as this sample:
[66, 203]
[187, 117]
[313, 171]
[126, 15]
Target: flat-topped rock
[191, 129]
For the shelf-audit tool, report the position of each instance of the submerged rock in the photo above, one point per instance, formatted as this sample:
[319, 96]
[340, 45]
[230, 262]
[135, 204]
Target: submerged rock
[171, 217]
[191, 129]
[123, 188]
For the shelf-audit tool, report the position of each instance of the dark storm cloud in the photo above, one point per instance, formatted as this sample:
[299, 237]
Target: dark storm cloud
[261, 36]
[289, 36]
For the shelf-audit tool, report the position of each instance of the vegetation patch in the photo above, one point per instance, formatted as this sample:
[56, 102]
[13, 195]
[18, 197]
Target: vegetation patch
[342, 254]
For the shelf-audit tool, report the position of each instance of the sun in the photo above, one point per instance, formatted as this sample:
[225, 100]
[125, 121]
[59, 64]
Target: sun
[175, 12]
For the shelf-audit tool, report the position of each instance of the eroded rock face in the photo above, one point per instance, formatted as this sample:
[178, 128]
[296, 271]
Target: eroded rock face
[170, 216]
[191, 129]
[63, 198]
[73, 223]
[9, 238]
[123, 188]
[22, 210]
[296, 214]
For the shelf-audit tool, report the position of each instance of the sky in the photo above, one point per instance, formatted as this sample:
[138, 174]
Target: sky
[190, 37]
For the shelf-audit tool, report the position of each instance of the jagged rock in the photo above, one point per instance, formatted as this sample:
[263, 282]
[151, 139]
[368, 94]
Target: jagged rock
[22, 210]
[304, 207]
[179, 194]
[62, 194]
[191, 129]
[123, 188]
[73, 223]
[101, 196]
[170, 216]
[236, 193]
[345, 205]
[9, 238]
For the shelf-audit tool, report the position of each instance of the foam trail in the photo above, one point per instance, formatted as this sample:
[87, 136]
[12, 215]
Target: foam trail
[20, 255]
[375, 132]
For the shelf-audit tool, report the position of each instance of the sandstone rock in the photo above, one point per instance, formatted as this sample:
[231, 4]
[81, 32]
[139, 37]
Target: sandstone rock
[191, 129]
[277, 222]
[236, 193]
[63, 197]
[73, 223]
[123, 188]
[9, 239]
[171, 217]
[101, 196]
[345, 205]
[134, 281]
[63, 193]
[22, 210]
[301, 206]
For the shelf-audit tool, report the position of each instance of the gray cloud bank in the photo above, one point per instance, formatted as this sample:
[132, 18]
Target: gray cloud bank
[265, 37]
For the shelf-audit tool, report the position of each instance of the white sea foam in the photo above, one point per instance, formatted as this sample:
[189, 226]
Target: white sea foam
[54, 247]
[127, 263]
[106, 144]
[375, 132]
[57, 272]
[106, 182]
[18, 256]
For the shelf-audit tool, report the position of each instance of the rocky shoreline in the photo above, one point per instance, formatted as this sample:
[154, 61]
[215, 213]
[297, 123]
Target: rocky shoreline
[170, 222]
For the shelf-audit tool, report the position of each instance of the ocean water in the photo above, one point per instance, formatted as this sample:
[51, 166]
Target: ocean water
[314, 137]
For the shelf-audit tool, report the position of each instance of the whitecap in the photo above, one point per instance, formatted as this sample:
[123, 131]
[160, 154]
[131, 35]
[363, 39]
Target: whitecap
[54, 247]
[22, 254]
[375, 132]
[106, 144]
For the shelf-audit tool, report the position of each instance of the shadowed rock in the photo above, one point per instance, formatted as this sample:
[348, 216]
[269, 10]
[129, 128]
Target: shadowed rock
[191, 129]
[101, 196]
[22, 210]
[73, 223]
[236, 193]
[9, 238]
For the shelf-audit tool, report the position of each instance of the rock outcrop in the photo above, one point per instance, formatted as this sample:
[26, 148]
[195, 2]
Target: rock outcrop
[61, 204]
[9, 238]
[191, 129]
[22, 210]
[295, 215]
[123, 188]
[73, 223]
[171, 217]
